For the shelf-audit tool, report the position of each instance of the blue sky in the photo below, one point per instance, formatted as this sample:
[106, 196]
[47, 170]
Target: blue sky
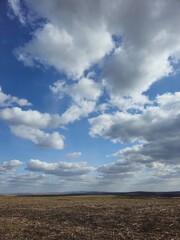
[90, 95]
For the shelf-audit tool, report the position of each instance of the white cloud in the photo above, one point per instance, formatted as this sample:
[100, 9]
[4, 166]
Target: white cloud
[74, 155]
[75, 112]
[84, 95]
[131, 72]
[9, 167]
[62, 169]
[84, 89]
[70, 50]
[48, 140]
[26, 124]
[150, 125]
[78, 34]
[15, 7]
[33, 118]
[139, 175]
[156, 156]
[169, 101]
[8, 100]
[149, 40]
[120, 168]
[72, 40]
[135, 103]
[74, 37]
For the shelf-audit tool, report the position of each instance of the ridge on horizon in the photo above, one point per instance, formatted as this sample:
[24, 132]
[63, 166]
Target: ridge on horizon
[103, 193]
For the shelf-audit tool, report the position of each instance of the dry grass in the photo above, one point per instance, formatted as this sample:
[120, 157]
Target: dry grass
[89, 217]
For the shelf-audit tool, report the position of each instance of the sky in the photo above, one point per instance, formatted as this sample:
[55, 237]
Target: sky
[89, 95]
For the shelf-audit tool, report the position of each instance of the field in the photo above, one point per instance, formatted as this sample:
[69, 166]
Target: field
[89, 217]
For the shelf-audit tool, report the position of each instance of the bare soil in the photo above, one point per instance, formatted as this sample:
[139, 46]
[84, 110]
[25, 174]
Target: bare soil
[89, 217]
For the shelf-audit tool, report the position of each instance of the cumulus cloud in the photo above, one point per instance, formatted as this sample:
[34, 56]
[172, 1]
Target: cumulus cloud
[75, 112]
[48, 140]
[72, 40]
[135, 103]
[26, 124]
[155, 122]
[123, 77]
[118, 170]
[141, 49]
[139, 175]
[9, 167]
[62, 169]
[74, 155]
[165, 151]
[70, 45]
[149, 41]
[33, 118]
[155, 133]
[7, 100]
[84, 95]
[84, 89]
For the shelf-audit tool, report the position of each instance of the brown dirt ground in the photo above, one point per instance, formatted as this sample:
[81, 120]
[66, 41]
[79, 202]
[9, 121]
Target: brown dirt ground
[89, 217]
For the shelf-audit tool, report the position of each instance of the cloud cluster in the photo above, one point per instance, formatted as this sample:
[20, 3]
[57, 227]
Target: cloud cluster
[7, 100]
[27, 124]
[134, 44]
[47, 140]
[42, 176]
[141, 49]
[84, 89]
[129, 170]
[84, 95]
[140, 171]
[155, 133]
[160, 121]
[140, 38]
[68, 41]
[62, 169]
[33, 118]
[148, 47]
[9, 167]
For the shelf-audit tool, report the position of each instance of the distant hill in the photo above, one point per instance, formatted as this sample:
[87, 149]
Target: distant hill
[125, 194]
